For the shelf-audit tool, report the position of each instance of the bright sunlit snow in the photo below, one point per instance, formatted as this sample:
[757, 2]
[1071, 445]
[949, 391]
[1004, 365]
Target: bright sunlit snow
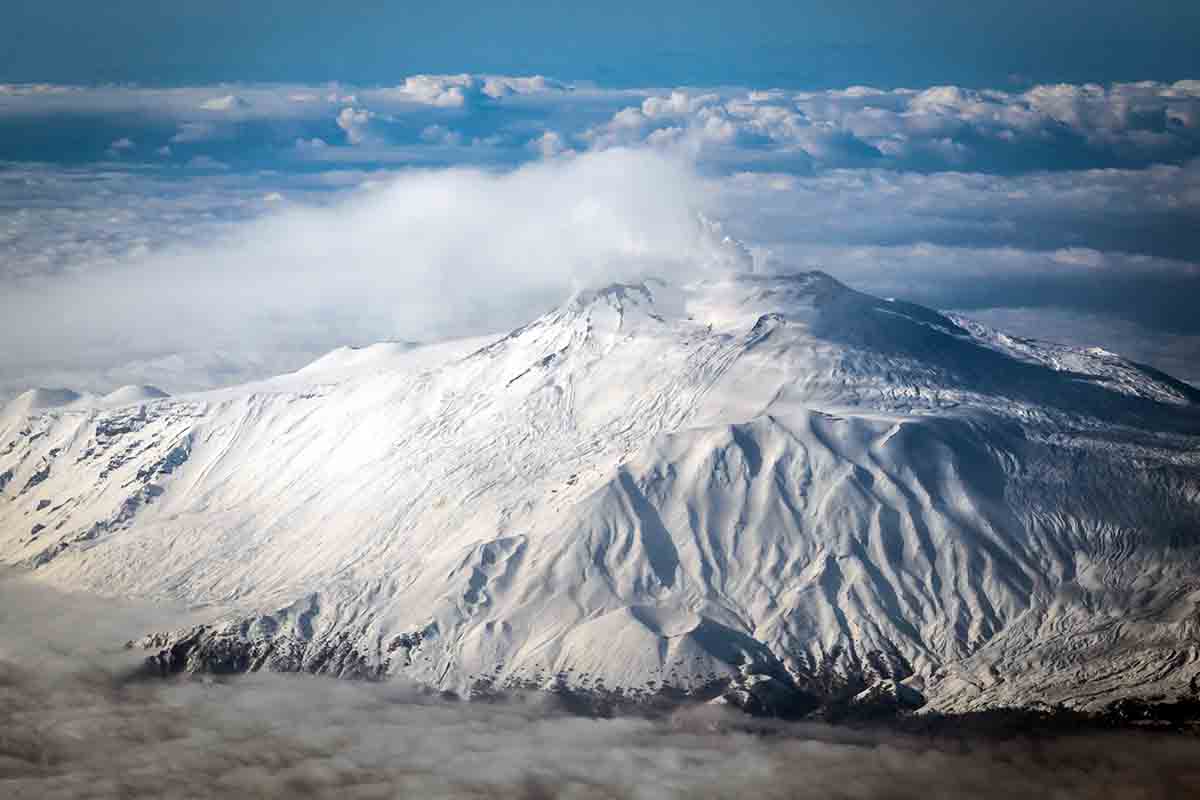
[652, 485]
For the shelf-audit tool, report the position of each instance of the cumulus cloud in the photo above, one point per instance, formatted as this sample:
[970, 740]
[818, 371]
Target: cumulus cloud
[945, 126]
[356, 123]
[81, 721]
[460, 91]
[228, 102]
[549, 144]
[445, 91]
[1045, 127]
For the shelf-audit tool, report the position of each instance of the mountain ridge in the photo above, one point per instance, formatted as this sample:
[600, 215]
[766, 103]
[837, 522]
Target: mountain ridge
[655, 486]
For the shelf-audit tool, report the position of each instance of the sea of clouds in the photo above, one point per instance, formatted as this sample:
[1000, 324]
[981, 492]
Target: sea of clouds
[426, 254]
[199, 236]
[79, 719]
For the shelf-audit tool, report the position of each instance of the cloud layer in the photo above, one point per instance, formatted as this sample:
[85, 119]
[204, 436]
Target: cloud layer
[79, 722]
[201, 235]
[421, 255]
[501, 119]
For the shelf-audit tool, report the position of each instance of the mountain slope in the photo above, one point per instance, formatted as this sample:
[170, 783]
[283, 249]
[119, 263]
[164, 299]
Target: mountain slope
[654, 486]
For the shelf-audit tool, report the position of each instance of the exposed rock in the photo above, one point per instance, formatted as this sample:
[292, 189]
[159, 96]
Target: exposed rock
[768, 696]
[39, 476]
[890, 694]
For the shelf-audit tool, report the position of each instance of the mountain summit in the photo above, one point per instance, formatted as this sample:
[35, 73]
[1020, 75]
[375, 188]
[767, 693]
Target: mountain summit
[701, 489]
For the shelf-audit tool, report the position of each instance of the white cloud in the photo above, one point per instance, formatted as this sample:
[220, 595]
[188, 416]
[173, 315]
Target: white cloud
[86, 725]
[443, 91]
[459, 91]
[1079, 257]
[935, 128]
[549, 144]
[310, 145]
[497, 86]
[330, 266]
[229, 102]
[423, 255]
[440, 134]
[356, 123]
[181, 104]
[1134, 210]
[120, 147]
[206, 162]
[839, 127]
[922, 188]
[189, 132]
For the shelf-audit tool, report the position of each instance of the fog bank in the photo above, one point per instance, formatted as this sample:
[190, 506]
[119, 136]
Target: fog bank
[77, 719]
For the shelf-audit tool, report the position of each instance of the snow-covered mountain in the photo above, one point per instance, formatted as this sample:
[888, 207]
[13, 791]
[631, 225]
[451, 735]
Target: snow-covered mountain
[752, 479]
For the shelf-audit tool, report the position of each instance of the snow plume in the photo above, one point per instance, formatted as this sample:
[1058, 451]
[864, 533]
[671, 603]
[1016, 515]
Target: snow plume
[77, 720]
[425, 254]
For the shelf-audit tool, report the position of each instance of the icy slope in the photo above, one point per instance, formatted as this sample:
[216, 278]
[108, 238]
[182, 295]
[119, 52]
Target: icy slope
[654, 486]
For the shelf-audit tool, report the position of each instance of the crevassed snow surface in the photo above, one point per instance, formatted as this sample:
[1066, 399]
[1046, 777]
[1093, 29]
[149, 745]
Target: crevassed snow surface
[650, 486]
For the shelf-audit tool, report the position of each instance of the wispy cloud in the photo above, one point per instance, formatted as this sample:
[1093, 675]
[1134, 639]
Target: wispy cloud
[416, 255]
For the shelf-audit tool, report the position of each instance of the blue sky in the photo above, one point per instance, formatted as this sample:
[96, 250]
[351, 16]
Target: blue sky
[1035, 167]
[771, 43]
